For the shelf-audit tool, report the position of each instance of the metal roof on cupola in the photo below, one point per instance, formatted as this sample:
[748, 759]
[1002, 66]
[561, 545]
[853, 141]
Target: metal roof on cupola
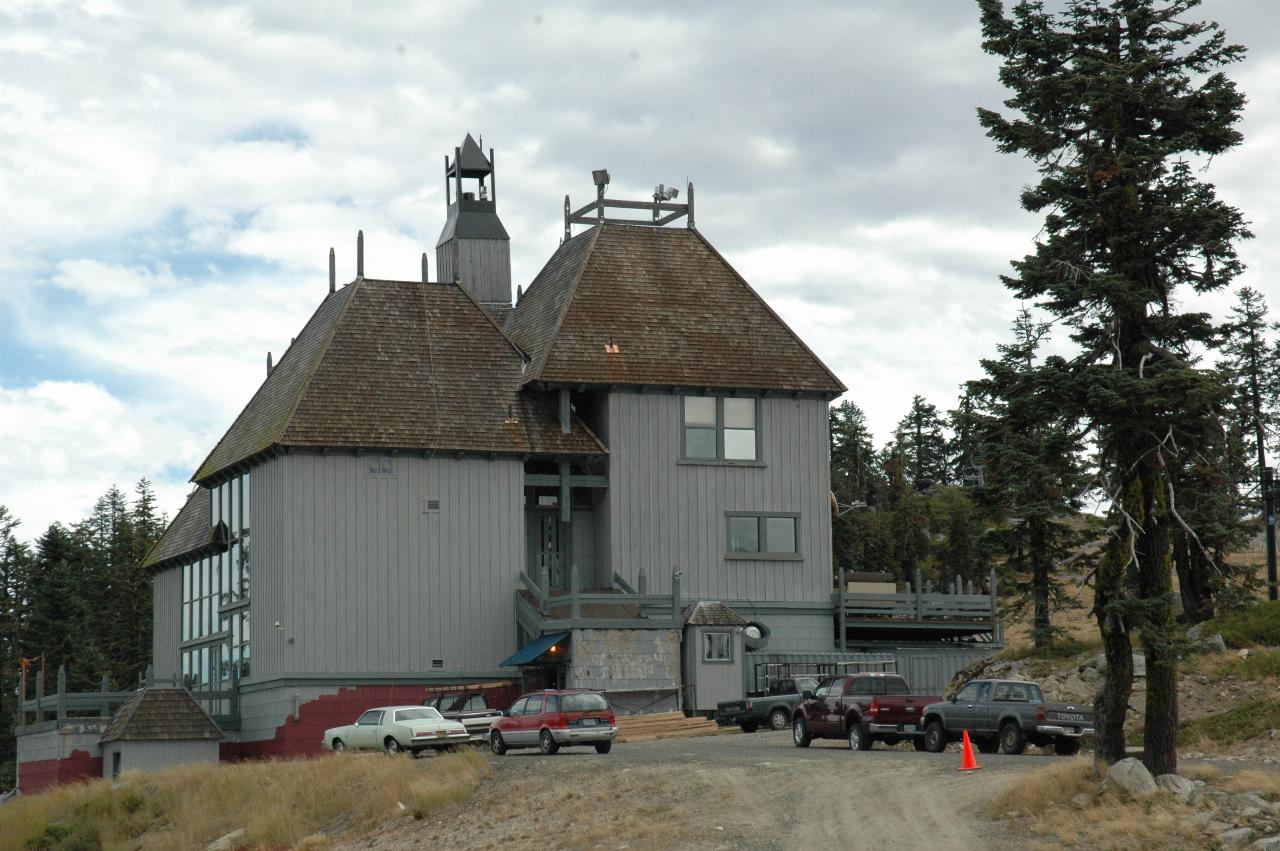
[471, 159]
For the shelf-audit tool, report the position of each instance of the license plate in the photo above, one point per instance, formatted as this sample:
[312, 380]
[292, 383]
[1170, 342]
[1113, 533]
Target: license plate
[588, 722]
[909, 728]
[440, 734]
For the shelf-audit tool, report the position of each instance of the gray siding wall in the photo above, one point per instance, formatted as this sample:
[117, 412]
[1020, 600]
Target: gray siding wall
[664, 513]
[166, 634]
[794, 631]
[484, 268]
[152, 756]
[364, 581]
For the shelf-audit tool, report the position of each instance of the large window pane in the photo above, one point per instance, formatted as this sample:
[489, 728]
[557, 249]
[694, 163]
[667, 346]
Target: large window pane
[739, 413]
[700, 411]
[739, 444]
[700, 443]
[780, 534]
[246, 504]
[744, 534]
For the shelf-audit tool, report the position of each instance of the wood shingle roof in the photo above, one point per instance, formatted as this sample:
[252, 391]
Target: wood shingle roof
[188, 532]
[637, 305]
[400, 365]
[160, 714]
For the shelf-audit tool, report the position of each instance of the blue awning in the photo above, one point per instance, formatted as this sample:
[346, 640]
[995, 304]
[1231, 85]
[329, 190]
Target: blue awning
[533, 650]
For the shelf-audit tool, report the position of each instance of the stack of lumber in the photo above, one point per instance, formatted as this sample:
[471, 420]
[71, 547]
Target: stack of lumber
[663, 725]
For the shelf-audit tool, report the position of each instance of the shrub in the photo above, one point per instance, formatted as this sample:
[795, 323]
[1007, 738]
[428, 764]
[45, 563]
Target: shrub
[1248, 627]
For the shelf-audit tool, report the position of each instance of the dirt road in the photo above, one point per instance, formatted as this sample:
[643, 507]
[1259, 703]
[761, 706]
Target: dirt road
[738, 791]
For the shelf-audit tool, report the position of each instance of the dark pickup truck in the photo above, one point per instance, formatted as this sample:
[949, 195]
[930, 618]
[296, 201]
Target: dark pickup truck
[1008, 715]
[773, 706]
[863, 709]
[470, 708]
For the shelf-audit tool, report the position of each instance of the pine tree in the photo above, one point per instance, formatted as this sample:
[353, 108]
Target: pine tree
[921, 441]
[1110, 98]
[1034, 473]
[855, 482]
[14, 569]
[57, 624]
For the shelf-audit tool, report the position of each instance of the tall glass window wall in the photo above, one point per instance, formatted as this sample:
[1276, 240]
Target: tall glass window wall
[215, 598]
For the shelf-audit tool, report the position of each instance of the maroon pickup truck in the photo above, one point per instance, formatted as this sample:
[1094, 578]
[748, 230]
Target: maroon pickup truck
[862, 708]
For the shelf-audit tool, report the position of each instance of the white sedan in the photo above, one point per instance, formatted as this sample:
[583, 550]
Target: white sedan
[396, 729]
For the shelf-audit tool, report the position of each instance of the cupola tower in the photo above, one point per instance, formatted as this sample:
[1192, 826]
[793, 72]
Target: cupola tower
[474, 249]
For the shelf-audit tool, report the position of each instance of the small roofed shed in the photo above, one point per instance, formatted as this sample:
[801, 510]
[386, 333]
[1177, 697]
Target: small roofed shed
[156, 728]
[713, 651]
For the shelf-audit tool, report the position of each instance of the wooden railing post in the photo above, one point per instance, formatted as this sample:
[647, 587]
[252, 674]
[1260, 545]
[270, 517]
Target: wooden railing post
[575, 605]
[61, 704]
[104, 687]
[675, 595]
[642, 581]
[919, 598]
[993, 593]
[40, 694]
[544, 586]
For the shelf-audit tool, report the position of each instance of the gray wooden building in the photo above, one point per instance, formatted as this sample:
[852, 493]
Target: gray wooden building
[156, 728]
[432, 477]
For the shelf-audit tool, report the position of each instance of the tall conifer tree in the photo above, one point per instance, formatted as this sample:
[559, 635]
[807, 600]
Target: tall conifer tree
[1112, 99]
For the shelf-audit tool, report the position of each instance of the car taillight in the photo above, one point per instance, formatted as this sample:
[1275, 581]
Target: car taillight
[874, 707]
[1040, 712]
[748, 706]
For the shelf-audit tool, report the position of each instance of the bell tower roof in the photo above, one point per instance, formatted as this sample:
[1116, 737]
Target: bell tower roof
[470, 161]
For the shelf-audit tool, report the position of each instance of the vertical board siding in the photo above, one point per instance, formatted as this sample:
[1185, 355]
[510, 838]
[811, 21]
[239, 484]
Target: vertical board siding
[370, 583]
[153, 756]
[666, 514]
[166, 631]
[266, 577]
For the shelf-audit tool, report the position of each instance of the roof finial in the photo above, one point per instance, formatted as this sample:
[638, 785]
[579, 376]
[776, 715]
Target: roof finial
[425, 278]
[333, 271]
[268, 363]
[360, 254]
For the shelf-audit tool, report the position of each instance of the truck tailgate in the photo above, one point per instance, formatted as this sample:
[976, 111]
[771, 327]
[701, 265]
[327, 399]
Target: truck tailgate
[901, 711]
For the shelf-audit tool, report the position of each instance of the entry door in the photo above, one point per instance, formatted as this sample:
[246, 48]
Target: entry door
[549, 551]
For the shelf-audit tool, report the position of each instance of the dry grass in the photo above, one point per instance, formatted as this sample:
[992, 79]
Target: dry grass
[1265, 783]
[279, 803]
[1044, 799]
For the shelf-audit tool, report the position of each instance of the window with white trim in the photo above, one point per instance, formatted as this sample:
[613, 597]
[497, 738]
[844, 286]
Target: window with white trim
[760, 535]
[717, 646]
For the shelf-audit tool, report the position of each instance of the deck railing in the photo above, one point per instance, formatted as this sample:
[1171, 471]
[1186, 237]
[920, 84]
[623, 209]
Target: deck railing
[539, 609]
[959, 601]
[49, 711]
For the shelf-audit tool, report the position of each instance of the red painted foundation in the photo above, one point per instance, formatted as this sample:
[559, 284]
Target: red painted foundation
[41, 774]
[301, 737]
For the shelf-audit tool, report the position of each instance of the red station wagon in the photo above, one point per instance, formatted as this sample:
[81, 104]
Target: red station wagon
[549, 720]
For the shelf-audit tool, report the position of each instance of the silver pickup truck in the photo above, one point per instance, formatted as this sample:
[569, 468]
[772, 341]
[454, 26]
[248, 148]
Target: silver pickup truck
[1008, 715]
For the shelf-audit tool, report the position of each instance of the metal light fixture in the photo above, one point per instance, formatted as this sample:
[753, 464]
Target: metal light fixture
[600, 176]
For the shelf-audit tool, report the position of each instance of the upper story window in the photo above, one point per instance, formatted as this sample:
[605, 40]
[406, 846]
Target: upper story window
[231, 503]
[721, 428]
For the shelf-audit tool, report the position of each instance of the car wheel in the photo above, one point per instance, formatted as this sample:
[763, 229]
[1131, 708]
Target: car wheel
[1066, 747]
[986, 745]
[857, 741]
[497, 744]
[935, 739]
[1012, 741]
[392, 746]
[918, 743]
[547, 743]
[604, 747]
[339, 746]
[800, 733]
[778, 719]
[748, 726]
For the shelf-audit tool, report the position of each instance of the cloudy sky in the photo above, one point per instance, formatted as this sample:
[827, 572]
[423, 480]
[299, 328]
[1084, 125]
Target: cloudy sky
[172, 176]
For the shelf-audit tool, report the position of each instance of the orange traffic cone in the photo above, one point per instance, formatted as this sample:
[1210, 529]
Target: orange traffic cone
[967, 762]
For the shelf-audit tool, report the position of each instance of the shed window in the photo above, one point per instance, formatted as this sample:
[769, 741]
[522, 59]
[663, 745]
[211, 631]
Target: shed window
[717, 647]
[718, 428]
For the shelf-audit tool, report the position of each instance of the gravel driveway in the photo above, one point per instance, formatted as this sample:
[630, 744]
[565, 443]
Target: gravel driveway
[753, 791]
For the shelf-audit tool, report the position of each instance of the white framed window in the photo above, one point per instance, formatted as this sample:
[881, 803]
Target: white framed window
[717, 646]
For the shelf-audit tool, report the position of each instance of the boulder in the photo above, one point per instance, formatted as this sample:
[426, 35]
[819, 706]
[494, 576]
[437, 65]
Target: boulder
[1267, 843]
[1130, 777]
[1195, 632]
[1099, 663]
[1082, 801]
[1249, 801]
[1177, 785]
[1238, 836]
[229, 842]
[1213, 644]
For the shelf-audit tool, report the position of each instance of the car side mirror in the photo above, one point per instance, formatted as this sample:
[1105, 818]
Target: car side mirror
[806, 695]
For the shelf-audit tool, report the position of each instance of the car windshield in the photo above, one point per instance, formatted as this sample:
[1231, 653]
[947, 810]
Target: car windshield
[895, 685]
[424, 713]
[583, 703]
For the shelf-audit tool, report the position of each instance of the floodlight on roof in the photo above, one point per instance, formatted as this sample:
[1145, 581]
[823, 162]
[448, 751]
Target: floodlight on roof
[600, 176]
[665, 193]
